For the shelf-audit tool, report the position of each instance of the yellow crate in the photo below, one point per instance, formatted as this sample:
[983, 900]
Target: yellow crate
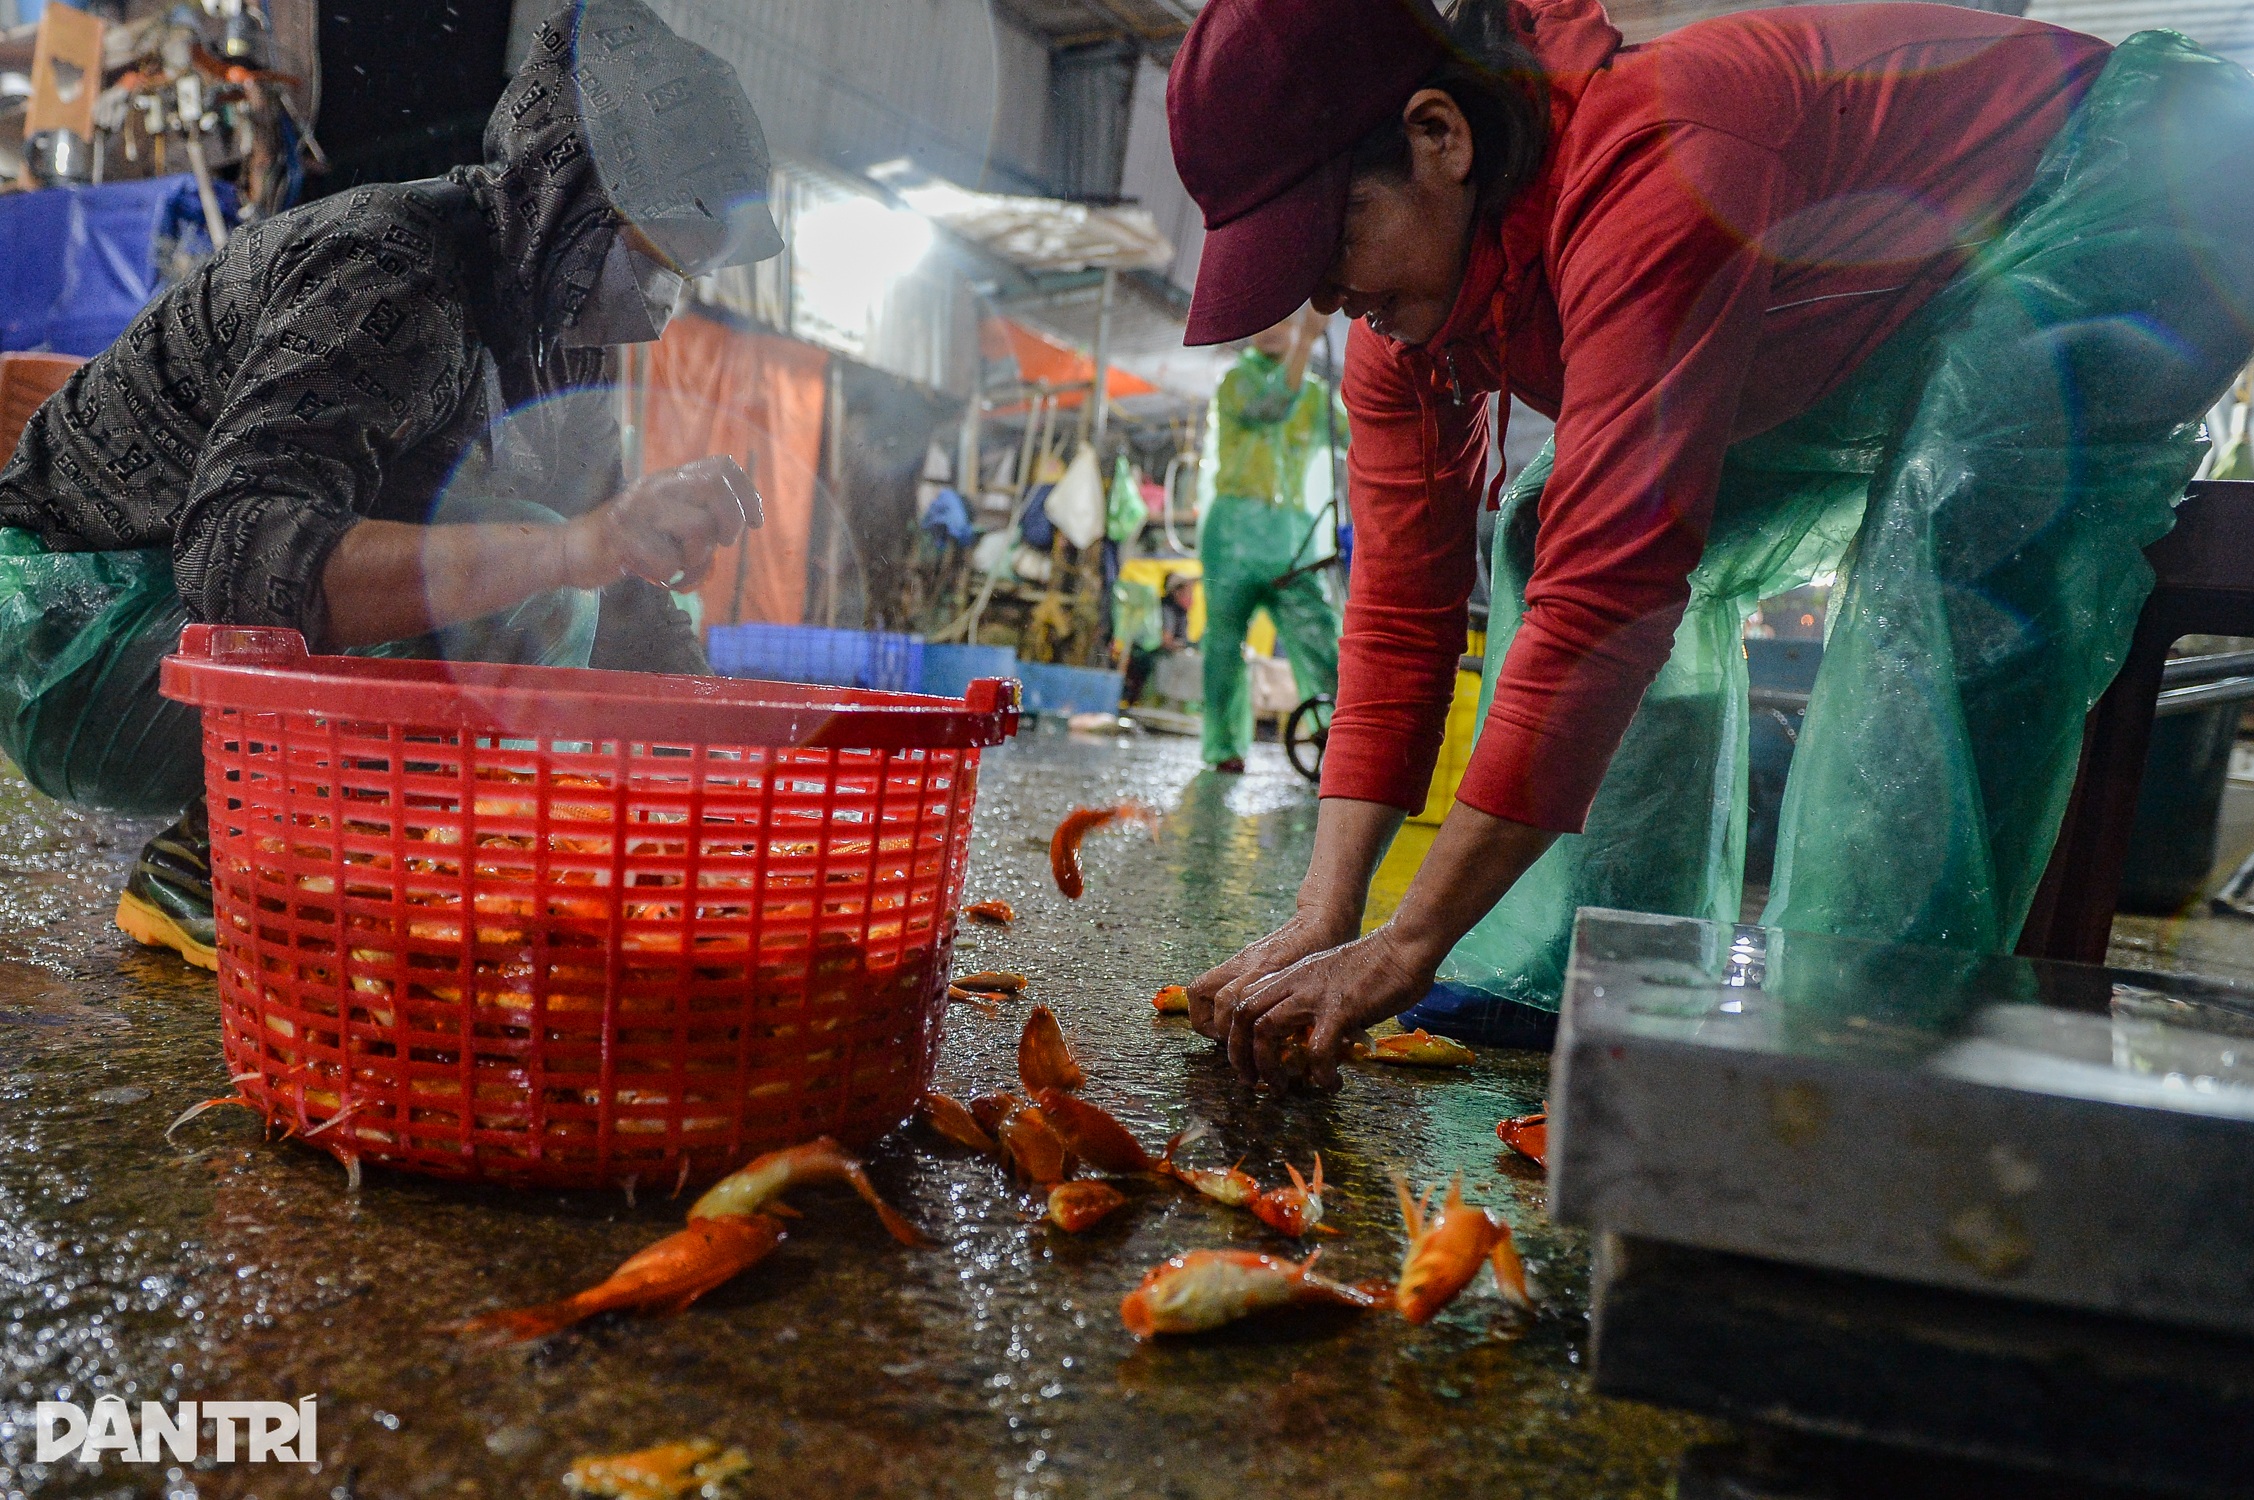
[1455, 747]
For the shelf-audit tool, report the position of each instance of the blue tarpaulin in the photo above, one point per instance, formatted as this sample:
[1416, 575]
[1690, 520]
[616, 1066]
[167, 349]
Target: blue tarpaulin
[77, 263]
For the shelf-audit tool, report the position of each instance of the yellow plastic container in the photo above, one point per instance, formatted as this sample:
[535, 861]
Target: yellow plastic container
[1455, 748]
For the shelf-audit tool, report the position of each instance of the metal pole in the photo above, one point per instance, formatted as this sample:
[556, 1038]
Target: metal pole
[1102, 393]
[837, 494]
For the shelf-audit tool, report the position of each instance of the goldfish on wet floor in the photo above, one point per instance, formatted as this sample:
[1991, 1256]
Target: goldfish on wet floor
[1000, 913]
[1064, 844]
[984, 1004]
[1173, 1000]
[1529, 1136]
[1232, 1186]
[1446, 1251]
[669, 1471]
[1206, 1289]
[1043, 1059]
[754, 1188]
[1416, 1049]
[988, 1111]
[1293, 1210]
[1078, 1206]
[1033, 1147]
[731, 1229]
[991, 982]
[665, 1278]
[951, 1119]
[1093, 1135]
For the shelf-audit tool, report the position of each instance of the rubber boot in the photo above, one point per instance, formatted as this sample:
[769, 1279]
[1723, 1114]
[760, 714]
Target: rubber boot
[167, 899]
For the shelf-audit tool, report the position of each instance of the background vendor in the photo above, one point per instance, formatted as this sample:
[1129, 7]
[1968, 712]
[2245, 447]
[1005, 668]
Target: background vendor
[1256, 540]
[381, 420]
[1929, 296]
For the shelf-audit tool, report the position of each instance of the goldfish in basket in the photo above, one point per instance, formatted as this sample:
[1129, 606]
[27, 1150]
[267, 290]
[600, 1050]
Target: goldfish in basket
[1064, 844]
[1206, 1289]
[1447, 1249]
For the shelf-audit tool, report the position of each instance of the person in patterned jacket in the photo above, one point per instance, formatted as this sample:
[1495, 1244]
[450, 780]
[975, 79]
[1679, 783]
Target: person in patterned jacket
[382, 420]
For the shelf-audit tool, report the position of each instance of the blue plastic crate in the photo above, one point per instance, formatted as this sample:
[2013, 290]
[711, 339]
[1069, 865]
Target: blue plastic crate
[1051, 689]
[810, 653]
[949, 670]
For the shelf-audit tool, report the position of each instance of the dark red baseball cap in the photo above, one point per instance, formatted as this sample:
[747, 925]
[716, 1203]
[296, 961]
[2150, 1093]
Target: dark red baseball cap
[1266, 99]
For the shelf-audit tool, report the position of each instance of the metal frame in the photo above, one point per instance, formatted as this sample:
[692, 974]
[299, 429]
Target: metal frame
[2203, 584]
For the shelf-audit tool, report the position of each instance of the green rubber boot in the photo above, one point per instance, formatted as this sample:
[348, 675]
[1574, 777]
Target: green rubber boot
[167, 900]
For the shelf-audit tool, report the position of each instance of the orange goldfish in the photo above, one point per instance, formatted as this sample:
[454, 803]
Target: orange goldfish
[1076, 1206]
[1092, 1134]
[1064, 844]
[1529, 1136]
[1446, 1252]
[1296, 1209]
[949, 1118]
[1416, 1049]
[1205, 1289]
[1043, 1060]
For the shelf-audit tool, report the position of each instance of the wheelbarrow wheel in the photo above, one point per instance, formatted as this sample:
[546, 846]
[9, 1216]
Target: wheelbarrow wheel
[1306, 733]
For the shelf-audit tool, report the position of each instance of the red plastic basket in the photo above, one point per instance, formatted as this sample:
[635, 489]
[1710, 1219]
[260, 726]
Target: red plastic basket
[577, 928]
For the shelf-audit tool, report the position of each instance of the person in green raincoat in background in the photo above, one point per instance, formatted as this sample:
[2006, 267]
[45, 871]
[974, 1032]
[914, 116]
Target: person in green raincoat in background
[1270, 417]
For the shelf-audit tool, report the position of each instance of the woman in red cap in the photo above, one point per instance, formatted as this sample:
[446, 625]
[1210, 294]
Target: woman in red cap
[1926, 297]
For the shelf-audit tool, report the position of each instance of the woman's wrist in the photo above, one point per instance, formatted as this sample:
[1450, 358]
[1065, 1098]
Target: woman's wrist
[1417, 946]
[1330, 913]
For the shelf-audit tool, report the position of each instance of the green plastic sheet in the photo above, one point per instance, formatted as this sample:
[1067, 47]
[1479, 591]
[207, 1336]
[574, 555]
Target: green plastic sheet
[1983, 488]
[84, 634]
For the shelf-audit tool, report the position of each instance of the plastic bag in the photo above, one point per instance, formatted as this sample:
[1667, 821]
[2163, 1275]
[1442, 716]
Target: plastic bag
[83, 636]
[1985, 486]
[1076, 505]
[1125, 517]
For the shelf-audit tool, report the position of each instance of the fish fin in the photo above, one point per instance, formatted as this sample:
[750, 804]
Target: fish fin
[1510, 1271]
[895, 1222]
[1412, 1216]
[193, 1110]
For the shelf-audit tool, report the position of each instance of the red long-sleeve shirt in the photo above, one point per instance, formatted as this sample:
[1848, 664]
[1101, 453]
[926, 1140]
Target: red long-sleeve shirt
[1729, 220]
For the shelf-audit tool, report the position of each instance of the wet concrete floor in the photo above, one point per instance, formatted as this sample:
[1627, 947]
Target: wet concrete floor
[993, 1363]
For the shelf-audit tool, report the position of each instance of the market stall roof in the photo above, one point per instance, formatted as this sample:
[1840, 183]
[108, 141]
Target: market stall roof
[1037, 235]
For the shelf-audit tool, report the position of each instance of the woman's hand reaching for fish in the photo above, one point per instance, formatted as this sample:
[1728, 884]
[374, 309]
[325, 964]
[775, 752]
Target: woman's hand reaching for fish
[1295, 1025]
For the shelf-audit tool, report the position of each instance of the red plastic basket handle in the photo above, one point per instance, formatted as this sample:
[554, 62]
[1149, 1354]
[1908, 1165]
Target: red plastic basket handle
[244, 645]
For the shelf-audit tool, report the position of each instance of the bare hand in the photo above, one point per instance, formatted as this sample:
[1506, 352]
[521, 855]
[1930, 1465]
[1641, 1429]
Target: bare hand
[1300, 1022]
[664, 527]
[1307, 932]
